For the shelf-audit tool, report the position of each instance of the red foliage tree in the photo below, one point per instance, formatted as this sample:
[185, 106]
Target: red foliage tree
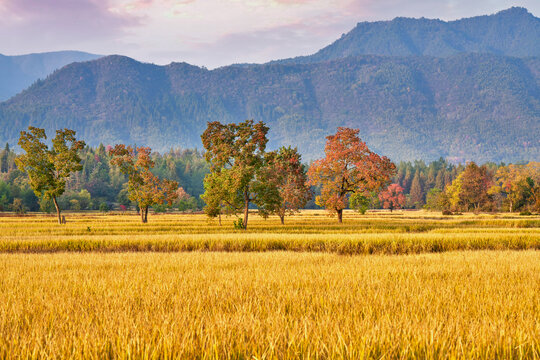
[348, 167]
[392, 197]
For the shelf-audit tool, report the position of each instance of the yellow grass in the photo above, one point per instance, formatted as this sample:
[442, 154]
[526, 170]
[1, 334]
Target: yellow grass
[386, 233]
[482, 304]
[106, 286]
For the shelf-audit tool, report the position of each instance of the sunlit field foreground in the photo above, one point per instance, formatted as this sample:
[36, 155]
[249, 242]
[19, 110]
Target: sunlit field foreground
[481, 304]
[384, 233]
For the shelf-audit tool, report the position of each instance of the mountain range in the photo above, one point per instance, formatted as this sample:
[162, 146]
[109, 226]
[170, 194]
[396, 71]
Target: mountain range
[416, 88]
[512, 32]
[19, 72]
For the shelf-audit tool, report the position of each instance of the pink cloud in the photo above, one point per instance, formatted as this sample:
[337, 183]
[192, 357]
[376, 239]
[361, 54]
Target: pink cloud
[61, 21]
[293, 2]
[207, 32]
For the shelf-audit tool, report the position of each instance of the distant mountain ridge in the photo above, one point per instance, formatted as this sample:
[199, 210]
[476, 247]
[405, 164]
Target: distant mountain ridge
[467, 107]
[512, 32]
[475, 105]
[20, 71]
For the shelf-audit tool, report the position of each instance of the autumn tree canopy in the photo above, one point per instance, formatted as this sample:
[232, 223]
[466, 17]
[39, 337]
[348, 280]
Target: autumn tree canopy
[285, 171]
[49, 168]
[475, 183]
[518, 184]
[392, 197]
[144, 188]
[349, 167]
[236, 153]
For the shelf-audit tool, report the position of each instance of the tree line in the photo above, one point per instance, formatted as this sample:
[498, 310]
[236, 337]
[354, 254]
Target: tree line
[455, 188]
[102, 186]
[236, 173]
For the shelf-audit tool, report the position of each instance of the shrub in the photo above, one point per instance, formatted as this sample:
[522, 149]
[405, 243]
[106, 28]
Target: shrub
[18, 206]
[239, 224]
[159, 208]
[103, 207]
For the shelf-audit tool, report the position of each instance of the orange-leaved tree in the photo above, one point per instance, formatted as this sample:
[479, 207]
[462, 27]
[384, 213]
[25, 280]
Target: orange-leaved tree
[144, 188]
[392, 197]
[349, 167]
[285, 170]
[476, 181]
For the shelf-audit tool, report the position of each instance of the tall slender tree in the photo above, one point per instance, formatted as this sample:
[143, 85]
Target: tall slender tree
[417, 194]
[4, 158]
[48, 169]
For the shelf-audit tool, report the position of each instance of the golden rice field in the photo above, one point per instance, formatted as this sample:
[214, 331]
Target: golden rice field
[482, 304]
[402, 285]
[385, 233]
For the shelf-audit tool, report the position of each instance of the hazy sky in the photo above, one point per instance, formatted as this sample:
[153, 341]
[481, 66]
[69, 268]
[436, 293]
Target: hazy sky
[209, 32]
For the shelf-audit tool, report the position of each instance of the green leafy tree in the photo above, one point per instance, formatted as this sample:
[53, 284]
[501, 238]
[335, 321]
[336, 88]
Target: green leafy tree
[434, 199]
[48, 169]
[103, 207]
[144, 188]
[236, 154]
[360, 202]
[5, 195]
[46, 205]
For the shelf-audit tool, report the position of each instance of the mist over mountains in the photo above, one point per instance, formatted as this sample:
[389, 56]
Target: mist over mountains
[416, 89]
[20, 71]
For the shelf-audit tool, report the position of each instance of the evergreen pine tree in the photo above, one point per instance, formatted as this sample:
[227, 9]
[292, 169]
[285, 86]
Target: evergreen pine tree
[439, 180]
[417, 195]
[4, 159]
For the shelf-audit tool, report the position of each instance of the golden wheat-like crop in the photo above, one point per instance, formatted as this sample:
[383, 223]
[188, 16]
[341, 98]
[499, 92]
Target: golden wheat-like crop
[482, 304]
[379, 233]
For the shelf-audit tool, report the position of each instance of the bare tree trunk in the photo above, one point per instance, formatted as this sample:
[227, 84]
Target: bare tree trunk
[511, 206]
[144, 214]
[219, 216]
[282, 218]
[57, 209]
[246, 209]
[340, 216]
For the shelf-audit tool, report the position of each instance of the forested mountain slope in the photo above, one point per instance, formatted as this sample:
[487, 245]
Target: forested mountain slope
[464, 107]
[19, 72]
[512, 32]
